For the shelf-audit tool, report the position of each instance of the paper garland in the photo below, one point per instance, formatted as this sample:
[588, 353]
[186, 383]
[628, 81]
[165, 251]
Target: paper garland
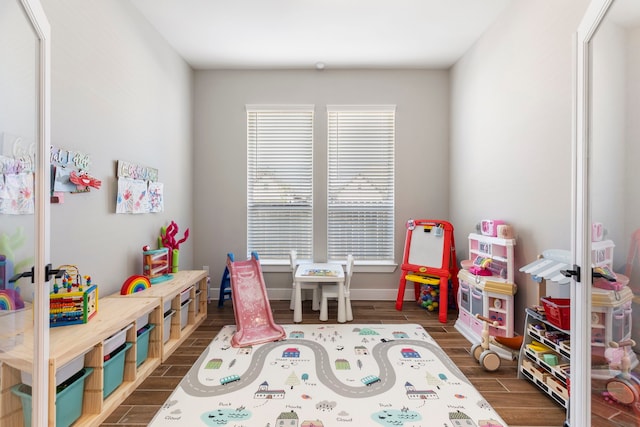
[138, 196]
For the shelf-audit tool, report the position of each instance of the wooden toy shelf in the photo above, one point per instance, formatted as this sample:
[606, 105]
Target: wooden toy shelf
[67, 343]
[170, 292]
[115, 314]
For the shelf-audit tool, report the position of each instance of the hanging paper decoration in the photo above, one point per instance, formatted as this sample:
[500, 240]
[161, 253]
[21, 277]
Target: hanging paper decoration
[138, 189]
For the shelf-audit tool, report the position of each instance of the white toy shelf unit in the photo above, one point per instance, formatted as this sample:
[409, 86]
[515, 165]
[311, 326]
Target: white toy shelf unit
[611, 321]
[486, 286]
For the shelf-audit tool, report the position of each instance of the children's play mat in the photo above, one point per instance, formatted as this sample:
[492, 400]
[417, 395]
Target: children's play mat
[328, 375]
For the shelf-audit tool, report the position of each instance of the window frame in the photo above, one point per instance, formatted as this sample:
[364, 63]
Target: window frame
[297, 180]
[383, 117]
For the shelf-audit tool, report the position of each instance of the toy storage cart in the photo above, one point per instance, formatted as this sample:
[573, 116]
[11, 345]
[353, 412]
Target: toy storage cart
[429, 250]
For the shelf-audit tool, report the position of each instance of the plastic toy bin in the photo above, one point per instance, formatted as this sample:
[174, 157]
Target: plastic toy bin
[558, 311]
[142, 344]
[63, 373]
[167, 325]
[184, 313]
[68, 399]
[113, 372]
[198, 293]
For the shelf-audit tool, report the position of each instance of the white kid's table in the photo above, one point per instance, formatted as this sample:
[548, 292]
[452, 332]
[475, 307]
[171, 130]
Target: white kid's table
[321, 273]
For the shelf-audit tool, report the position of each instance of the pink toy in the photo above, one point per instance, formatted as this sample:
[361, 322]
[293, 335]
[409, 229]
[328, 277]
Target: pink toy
[254, 320]
[489, 227]
[481, 267]
[167, 240]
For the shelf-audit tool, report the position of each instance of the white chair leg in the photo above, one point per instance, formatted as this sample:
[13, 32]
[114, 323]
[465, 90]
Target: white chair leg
[315, 305]
[292, 305]
[348, 309]
[324, 312]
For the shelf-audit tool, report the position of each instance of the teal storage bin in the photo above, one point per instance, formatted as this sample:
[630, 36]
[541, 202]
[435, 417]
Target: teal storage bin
[68, 400]
[113, 372]
[142, 348]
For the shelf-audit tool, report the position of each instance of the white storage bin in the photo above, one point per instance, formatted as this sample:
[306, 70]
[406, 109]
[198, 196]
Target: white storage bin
[198, 293]
[114, 341]
[184, 313]
[142, 321]
[63, 373]
[167, 325]
[185, 295]
[167, 307]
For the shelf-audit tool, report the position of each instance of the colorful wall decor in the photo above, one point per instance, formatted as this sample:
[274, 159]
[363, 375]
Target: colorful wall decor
[70, 173]
[138, 189]
[16, 175]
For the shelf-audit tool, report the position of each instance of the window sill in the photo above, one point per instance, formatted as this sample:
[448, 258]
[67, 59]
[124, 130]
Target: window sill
[279, 266]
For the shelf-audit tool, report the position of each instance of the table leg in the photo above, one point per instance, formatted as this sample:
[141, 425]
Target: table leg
[342, 315]
[297, 309]
[324, 310]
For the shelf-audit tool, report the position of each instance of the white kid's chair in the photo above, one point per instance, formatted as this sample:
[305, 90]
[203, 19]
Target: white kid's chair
[315, 304]
[331, 291]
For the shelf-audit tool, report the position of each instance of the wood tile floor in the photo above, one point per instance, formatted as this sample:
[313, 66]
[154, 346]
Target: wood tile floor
[517, 401]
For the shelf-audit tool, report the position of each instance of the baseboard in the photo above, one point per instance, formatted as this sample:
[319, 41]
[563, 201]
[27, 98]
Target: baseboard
[356, 294]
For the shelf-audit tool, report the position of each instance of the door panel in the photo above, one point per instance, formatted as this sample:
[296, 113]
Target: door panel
[607, 216]
[24, 183]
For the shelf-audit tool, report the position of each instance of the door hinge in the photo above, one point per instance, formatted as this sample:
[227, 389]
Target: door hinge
[572, 273]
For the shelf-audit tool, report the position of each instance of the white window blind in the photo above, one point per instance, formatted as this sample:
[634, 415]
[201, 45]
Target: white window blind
[360, 193]
[279, 181]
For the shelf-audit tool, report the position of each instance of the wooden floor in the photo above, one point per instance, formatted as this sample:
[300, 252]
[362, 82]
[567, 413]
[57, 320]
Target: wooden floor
[517, 401]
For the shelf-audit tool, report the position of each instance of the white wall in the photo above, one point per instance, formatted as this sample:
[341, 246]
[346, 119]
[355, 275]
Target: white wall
[511, 115]
[119, 92]
[422, 154]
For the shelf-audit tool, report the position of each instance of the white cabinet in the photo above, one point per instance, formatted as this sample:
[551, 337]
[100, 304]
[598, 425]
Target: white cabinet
[488, 298]
[602, 253]
[489, 295]
[499, 251]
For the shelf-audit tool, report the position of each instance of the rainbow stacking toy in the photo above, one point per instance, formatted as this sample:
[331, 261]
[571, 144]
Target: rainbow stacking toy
[135, 283]
[10, 300]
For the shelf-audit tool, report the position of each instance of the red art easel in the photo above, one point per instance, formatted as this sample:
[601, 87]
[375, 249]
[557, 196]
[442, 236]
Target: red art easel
[429, 251]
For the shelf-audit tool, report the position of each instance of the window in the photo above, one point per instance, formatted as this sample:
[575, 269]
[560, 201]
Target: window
[280, 181]
[360, 193]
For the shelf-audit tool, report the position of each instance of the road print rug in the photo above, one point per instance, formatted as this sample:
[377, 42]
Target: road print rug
[328, 375]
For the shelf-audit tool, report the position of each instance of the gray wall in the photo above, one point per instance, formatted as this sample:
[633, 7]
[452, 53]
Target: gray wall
[118, 93]
[422, 154]
[511, 131]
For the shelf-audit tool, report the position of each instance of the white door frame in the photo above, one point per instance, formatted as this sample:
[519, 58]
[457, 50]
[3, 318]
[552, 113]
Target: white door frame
[580, 399]
[40, 384]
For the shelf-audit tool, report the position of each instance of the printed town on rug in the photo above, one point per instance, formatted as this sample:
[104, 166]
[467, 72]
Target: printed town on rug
[328, 375]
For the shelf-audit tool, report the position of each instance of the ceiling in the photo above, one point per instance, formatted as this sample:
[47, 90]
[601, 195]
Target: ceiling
[277, 34]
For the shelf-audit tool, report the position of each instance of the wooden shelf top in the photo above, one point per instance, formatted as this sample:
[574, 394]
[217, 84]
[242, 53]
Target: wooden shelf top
[67, 342]
[181, 280]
